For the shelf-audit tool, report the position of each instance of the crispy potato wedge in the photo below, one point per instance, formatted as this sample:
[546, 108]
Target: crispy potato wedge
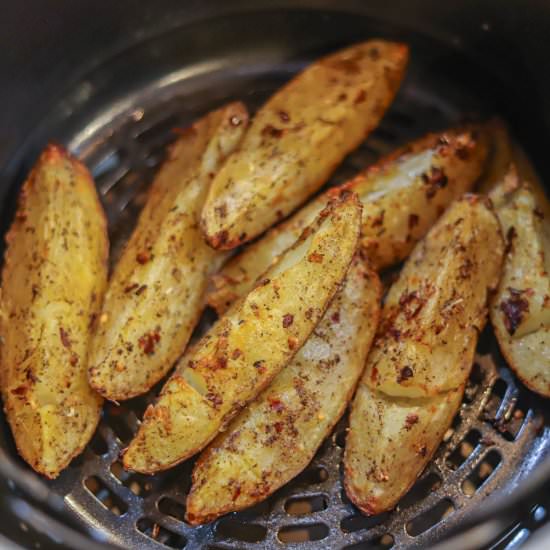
[434, 312]
[53, 281]
[390, 441]
[276, 436]
[299, 137]
[402, 196]
[520, 310]
[249, 346]
[156, 293]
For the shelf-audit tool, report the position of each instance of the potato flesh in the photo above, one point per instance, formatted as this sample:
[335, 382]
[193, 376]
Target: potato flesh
[402, 196]
[248, 347]
[390, 442]
[520, 310]
[299, 137]
[156, 293]
[434, 312]
[53, 282]
[276, 436]
[422, 354]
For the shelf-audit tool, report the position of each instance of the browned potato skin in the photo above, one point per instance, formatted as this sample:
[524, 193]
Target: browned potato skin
[250, 345]
[520, 309]
[156, 293]
[441, 293]
[53, 281]
[276, 436]
[422, 354]
[299, 137]
[391, 442]
[402, 195]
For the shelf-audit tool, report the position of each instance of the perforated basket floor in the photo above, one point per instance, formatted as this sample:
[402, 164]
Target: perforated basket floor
[496, 438]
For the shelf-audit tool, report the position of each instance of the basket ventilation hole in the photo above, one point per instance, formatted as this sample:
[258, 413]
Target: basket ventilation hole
[312, 476]
[246, 532]
[379, 543]
[303, 533]
[173, 508]
[430, 518]
[105, 496]
[463, 450]
[299, 506]
[98, 444]
[420, 490]
[482, 472]
[160, 534]
[118, 421]
[138, 484]
[358, 522]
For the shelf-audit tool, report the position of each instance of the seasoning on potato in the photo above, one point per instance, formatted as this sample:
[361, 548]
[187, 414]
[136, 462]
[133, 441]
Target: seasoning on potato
[249, 346]
[520, 309]
[299, 137]
[276, 436]
[53, 281]
[402, 196]
[422, 354]
[155, 296]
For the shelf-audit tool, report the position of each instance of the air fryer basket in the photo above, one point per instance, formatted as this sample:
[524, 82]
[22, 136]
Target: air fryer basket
[117, 113]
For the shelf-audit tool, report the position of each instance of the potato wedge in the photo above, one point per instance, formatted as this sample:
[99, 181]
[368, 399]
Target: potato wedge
[402, 196]
[299, 137]
[53, 281]
[156, 293]
[434, 312]
[520, 310]
[276, 436]
[390, 442]
[248, 347]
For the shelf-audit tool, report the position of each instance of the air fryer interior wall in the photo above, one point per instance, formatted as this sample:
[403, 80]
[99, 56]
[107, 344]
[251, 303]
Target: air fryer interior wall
[112, 81]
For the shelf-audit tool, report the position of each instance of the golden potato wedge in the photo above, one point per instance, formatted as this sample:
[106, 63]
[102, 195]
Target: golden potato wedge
[53, 280]
[248, 347]
[434, 312]
[402, 196]
[390, 441]
[520, 310]
[276, 436]
[156, 293]
[299, 137]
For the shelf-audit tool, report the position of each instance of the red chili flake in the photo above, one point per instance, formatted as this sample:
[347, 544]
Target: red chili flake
[143, 257]
[148, 341]
[316, 258]
[292, 342]
[360, 97]
[405, 374]
[374, 374]
[413, 220]
[284, 116]
[309, 313]
[410, 421]
[513, 309]
[278, 427]
[276, 404]
[435, 180]
[411, 304]
[394, 332]
[236, 492]
[236, 353]
[130, 287]
[271, 131]
[288, 319]
[335, 317]
[20, 390]
[185, 132]
[65, 340]
[74, 359]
